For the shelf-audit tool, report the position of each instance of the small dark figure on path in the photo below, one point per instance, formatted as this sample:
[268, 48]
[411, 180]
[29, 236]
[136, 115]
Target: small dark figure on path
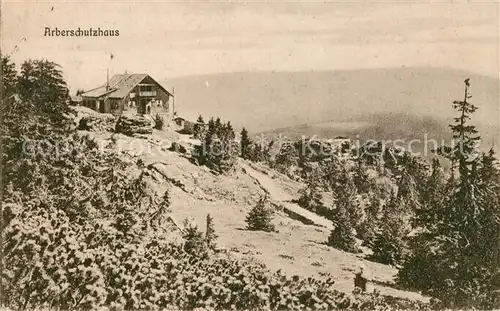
[360, 281]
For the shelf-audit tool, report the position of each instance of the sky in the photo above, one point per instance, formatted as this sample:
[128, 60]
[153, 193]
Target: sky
[170, 39]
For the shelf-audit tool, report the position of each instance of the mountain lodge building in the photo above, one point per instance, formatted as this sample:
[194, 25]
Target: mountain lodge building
[129, 93]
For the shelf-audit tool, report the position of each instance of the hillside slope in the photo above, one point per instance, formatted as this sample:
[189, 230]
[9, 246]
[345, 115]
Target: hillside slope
[297, 248]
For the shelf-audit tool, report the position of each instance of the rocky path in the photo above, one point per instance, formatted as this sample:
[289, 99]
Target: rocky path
[283, 198]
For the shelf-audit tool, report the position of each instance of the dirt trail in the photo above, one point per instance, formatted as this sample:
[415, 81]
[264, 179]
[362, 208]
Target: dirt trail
[282, 197]
[336, 262]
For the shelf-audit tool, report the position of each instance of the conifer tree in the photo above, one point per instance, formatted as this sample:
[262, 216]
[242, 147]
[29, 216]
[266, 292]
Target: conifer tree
[433, 196]
[342, 236]
[245, 144]
[194, 241]
[211, 126]
[287, 159]
[389, 246]
[218, 150]
[409, 198]
[260, 217]
[163, 208]
[199, 128]
[210, 236]
[347, 215]
[361, 178]
[41, 82]
[261, 153]
[458, 248]
[345, 198]
[9, 78]
[367, 231]
[218, 125]
[310, 196]
[228, 132]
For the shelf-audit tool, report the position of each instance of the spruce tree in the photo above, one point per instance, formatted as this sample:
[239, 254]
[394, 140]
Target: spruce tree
[245, 144]
[433, 196]
[342, 236]
[211, 126]
[228, 132]
[163, 208]
[346, 200]
[367, 231]
[194, 241]
[9, 78]
[460, 247]
[346, 215]
[218, 125]
[261, 153]
[217, 150]
[199, 128]
[260, 217]
[389, 246]
[287, 159]
[310, 196]
[42, 82]
[210, 236]
[361, 178]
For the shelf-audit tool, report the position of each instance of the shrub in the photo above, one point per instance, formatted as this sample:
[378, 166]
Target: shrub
[260, 217]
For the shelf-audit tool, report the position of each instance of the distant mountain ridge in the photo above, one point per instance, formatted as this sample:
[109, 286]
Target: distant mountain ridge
[372, 102]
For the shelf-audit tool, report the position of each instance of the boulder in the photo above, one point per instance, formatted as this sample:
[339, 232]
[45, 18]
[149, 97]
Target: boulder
[90, 120]
[134, 125]
[177, 147]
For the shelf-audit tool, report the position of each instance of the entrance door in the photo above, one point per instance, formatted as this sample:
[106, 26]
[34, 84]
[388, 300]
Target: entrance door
[101, 106]
[142, 106]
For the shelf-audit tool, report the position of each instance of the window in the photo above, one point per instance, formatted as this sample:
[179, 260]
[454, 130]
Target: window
[145, 88]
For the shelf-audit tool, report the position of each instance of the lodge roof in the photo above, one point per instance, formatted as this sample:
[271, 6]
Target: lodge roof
[120, 85]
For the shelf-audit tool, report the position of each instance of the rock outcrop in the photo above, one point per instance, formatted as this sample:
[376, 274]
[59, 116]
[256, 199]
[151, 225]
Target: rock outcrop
[90, 120]
[136, 125]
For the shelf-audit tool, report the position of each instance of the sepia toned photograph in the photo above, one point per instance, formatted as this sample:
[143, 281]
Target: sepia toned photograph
[250, 155]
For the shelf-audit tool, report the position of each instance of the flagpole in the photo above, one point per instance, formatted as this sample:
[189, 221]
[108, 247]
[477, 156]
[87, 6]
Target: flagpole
[173, 101]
